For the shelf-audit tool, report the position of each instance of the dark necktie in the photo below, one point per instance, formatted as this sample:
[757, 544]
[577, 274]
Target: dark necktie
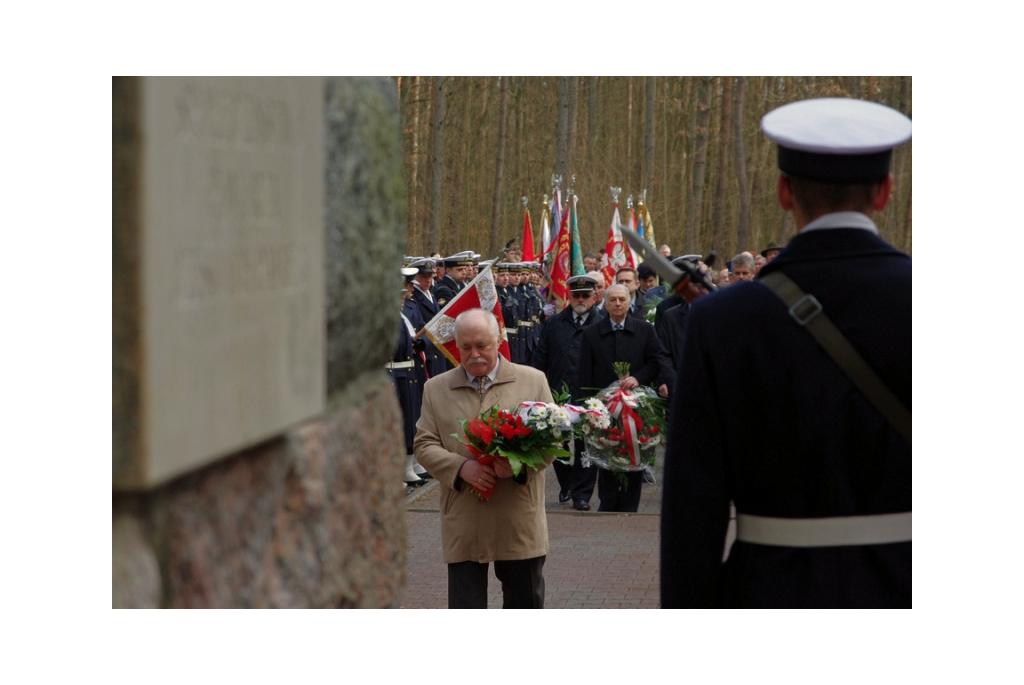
[579, 321]
[481, 386]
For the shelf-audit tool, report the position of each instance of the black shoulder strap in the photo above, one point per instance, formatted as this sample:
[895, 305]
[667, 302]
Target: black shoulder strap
[806, 311]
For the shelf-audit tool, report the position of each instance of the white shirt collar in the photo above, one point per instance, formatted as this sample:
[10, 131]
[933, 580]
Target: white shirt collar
[842, 220]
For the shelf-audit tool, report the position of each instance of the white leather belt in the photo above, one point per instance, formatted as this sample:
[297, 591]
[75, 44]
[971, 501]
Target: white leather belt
[835, 531]
[512, 331]
[525, 324]
[394, 366]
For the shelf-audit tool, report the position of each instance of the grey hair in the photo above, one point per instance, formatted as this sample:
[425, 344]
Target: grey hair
[743, 259]
[615, 286]
[492, 322]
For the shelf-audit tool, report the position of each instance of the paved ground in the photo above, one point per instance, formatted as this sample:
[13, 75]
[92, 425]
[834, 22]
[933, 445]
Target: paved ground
[596, 560]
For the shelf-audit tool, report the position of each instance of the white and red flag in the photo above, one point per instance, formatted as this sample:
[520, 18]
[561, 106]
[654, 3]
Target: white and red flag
[619, 254]
[480, 293]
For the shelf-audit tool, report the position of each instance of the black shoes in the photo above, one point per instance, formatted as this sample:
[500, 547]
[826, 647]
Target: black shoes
[563, 496]
[581, 505]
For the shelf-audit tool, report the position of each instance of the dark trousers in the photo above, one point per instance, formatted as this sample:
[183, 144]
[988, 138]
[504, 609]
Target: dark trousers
[573, 477]
[522, 584]
[617, 493]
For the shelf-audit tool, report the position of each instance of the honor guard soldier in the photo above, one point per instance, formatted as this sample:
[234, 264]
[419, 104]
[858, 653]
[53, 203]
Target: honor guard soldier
[524, 324]
[407, 370]
[437, 363]
[558, 356]
[823, 390]
[509, 305]
[455, 268]
[533, 290]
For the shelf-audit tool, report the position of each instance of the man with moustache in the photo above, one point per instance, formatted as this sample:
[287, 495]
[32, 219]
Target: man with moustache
[509, 529]
[557, 355]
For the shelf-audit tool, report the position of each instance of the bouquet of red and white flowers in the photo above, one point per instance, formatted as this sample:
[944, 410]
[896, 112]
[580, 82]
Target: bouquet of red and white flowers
[523, 436]
[624, 429]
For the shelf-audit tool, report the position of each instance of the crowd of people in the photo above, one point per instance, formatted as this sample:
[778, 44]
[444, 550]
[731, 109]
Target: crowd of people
[828, 460]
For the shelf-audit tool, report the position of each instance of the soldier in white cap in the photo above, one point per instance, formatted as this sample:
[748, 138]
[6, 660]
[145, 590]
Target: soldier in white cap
[822, 387]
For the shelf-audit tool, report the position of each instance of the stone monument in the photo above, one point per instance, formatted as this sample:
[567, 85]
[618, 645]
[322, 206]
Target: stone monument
[255, 432]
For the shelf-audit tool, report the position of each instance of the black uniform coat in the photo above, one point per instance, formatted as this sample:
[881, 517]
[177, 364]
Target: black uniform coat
[445, 289]
[437, 363]
[409, 382]
[671, 325]
[765, 418]
[558, 353]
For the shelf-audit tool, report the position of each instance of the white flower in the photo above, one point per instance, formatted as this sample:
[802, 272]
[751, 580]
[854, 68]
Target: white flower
[541, 425]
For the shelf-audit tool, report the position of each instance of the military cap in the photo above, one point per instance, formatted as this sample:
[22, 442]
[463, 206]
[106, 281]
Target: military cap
[408, 272]
[423, 265]
[836, 140]
[502, 266]
[515, 267]
[692, 258]
[581, 284]
[459, 259]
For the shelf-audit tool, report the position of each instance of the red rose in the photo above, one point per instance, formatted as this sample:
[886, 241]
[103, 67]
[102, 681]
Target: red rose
[479, 429]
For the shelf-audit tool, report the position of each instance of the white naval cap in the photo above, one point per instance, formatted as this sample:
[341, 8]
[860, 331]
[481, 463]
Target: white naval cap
[839, 140]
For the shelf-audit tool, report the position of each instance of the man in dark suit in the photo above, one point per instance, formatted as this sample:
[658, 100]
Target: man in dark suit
[620, 338]
[629, 277]
[558, 355]
[823, 502]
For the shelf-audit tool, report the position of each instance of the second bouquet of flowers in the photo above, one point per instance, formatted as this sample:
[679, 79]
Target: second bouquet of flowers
[523, 436]
[624, 429]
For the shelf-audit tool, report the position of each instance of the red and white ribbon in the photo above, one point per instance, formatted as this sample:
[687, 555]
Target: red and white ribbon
[620, 406]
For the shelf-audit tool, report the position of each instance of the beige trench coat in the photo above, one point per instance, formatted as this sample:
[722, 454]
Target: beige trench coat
[512, 524]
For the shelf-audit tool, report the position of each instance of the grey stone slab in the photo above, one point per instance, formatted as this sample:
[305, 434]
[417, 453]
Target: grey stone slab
[219, 324]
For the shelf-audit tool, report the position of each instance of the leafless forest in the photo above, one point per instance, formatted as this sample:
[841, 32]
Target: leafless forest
[691, 146]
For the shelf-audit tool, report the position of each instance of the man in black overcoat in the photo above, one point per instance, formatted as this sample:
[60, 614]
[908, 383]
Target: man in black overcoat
[766, 419]
[558, 356]
[620, 338]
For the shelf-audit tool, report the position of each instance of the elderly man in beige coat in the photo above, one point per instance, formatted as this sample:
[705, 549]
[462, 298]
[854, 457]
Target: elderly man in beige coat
[511, 527]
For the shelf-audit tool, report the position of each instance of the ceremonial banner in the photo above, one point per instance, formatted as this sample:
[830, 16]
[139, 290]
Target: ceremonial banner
[479, 293]
[560, 266]
[648, 226]
[577, 248]
[528, 255]
[545, 234]
[634, 259]
[616, 251]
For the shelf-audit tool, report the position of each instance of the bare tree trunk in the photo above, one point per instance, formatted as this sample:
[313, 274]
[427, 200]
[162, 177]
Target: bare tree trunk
[649, 111]
[499, 165]
[703, 120]
[414, 154]
[743, 229]
[437, 164]
[719, 212]
[571, 123]
[591, 118]
[562, 141]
